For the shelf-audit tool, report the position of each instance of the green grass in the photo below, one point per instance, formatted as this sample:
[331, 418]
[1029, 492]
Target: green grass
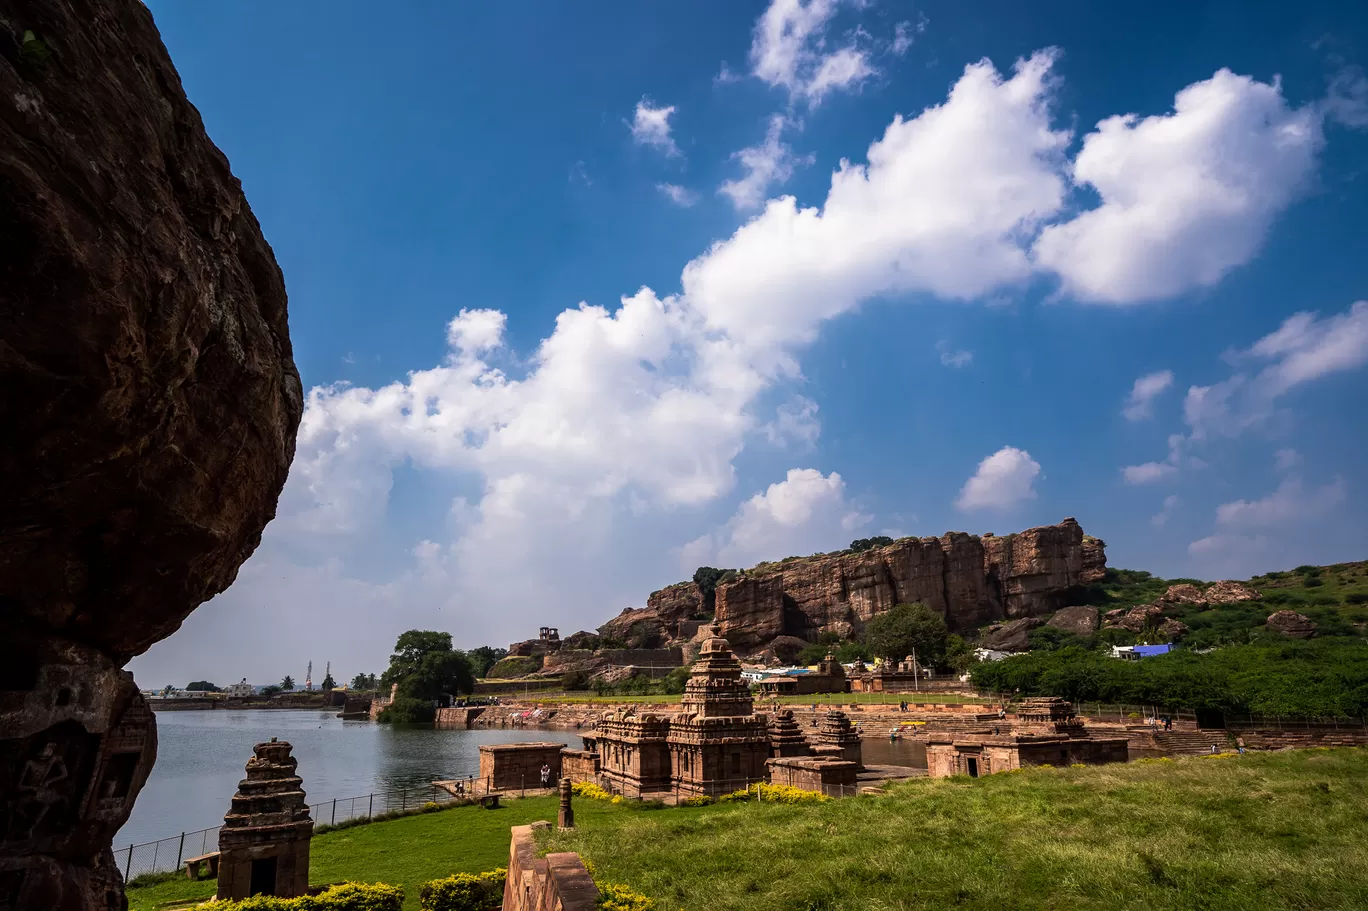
[1260, 831]
[404, 852]
[1267, 831]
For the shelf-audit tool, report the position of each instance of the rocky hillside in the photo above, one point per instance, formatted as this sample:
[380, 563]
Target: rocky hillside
[971, 580]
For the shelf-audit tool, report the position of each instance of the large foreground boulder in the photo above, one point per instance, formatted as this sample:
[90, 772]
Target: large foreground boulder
[150, 403]
[1291, 624]
[1081, 620]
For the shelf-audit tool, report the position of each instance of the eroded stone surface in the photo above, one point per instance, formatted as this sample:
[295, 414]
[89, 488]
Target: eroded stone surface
[1080, 620]
[1291, 624]
[1012, 636]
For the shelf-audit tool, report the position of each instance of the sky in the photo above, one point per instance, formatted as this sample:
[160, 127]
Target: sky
[587, 296]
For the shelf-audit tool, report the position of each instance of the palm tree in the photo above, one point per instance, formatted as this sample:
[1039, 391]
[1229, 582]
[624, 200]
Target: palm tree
[287, 684]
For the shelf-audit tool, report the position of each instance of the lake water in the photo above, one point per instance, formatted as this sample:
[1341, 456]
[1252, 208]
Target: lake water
[201, 755]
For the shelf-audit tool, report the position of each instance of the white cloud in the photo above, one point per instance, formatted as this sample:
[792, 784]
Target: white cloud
[1346, 100]
[1186, 196]
[1288, 504]
[903, 33]
[1285, 459]
[1231, 556]
[794, 422]
[1304, 348]
[1004, 479]
[807, 512]
[1150, 472]
[680, 196]
[1140, 405]
[651, 127]
[769, 164]
[953, 358]
[789, 51]
[1161, 518]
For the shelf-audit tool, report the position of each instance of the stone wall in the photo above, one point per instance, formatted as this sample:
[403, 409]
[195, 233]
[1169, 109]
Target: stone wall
[515, 766]
[556, 882]
[835, 779]
[457, 719]
[968, 580]
[990, 754]
[1291, 740]
[580, 765]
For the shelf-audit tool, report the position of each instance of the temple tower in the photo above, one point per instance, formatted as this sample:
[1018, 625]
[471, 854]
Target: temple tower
[717, 743]
[264, 842]
[837, 733]
[786, 738]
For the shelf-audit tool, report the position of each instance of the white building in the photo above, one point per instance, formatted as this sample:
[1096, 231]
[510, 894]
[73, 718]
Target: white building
[241, 690]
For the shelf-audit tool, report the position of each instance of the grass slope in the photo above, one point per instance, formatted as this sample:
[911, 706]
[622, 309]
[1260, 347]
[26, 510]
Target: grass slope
[1269, 831]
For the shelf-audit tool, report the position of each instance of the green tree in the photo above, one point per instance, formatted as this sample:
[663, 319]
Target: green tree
[485, 657]
[959, 654]
[363, 682]
[906, 627]
[862, 544]
[427, 669]
[271, 690]
[203, 686]
[409, 650]
[707, 578]
[287, 684]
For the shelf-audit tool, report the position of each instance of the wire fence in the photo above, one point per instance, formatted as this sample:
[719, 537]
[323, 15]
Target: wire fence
[168, 855]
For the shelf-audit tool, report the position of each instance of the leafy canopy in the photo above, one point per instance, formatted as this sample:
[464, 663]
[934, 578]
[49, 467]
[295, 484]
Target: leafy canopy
[905, 628]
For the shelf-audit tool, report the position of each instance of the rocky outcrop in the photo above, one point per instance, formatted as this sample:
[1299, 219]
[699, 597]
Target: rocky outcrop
[150, 407]
[1291, 624]
[1172, 629]
[1225, 592]
[1080, 620]
[1012, 636]
[969, 580]
[1138, 619]
[670, 615]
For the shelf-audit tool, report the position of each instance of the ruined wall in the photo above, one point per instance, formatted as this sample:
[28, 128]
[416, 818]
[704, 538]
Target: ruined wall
[556, 882]
[150, 410]
[969, 580]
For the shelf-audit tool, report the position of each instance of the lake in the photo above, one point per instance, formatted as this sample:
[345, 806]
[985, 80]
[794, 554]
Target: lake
[201, 756]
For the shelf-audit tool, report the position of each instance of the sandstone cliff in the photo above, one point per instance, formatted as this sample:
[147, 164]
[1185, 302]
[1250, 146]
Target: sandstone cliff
[969, 580]
[149, 410]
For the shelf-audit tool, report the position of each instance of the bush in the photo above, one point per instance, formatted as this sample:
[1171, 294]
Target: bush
[507, 668]
[589, 790]
[617, 897]
[696, 801]
[463, 892]
[1305, 570]
[774, 793]
[342, 897]
[1356, 598]
[407, 710]
[1312, 582]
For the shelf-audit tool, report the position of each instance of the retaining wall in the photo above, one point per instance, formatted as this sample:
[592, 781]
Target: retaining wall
[556, 882]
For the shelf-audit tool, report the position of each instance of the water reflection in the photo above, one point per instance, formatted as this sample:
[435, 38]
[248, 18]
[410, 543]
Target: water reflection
[200, 759]
[902, 752]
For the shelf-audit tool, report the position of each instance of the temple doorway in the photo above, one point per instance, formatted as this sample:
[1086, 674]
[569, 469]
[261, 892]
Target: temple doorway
[263, 876]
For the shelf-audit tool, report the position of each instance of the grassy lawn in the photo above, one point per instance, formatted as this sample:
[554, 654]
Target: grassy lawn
[1268, 831]
[1260, 831]
[407, 851]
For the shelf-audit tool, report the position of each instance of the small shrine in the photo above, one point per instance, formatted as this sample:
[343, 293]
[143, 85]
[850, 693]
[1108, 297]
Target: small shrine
[786, 738]
[264, 841]
[837, 731]
[1046, 731]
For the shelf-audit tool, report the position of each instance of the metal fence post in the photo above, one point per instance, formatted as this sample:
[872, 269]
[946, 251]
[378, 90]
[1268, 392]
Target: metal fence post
[334, 812]
[403, 800]
[181, 851]
[370, 805]
[128, 864]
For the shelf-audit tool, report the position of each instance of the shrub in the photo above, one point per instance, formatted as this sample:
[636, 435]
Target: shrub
[617, 897]
[342, 897]
[519, 666]
[1305, 570]
[463, 892]
[1356, 598]
[1312, 582]
[589, 790]
[774, 793]
[146, 880]
[696, 801]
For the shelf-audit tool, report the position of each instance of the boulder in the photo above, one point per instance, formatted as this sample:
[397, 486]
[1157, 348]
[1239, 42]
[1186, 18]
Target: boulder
[1230, 592]
[783, 649]
[1139, 618]
[1081, 620]
[150, 408]
[1012, 636]
[1291, 624]
[1184, 593]
[1173, 629]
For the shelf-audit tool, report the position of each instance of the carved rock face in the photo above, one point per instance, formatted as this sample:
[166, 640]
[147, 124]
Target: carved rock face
[150, 407]
[151, 399]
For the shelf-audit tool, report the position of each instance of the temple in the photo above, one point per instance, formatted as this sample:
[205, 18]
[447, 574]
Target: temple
[1047, 732]
[716, 743]
[264, 842]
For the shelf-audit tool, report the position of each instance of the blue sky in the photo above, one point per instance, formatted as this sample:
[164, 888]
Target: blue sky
[587, 297]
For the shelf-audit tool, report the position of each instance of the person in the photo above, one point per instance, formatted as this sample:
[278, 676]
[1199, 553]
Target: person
[1239, 745]
[1214, 751]
[546, 775]
[1002, 713]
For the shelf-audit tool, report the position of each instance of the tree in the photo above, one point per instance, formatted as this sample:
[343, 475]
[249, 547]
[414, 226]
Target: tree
[959, 654]
[485, 657]
[862, 544]
[287, 684]
[707, 578]
[363, 682]
[271, 690]
[409, 650]
[203, 686]
[907, 627]
[328, 682]
[427, 670]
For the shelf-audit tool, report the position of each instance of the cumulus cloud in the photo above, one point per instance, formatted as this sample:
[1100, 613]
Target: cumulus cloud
[1151, 472]
[1186, 196]
[1160, 519]
[764, 166]
[1231, 556]
[680, 196]
[805, 513]
[1285, 459]
[795, 423]
[1140, 404]
[651, 127]
[1004, 479]
[789, 51]
[1290, 503]
[954, 358]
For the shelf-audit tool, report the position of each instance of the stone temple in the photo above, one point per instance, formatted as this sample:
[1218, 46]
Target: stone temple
[264, 842]
[716, 743]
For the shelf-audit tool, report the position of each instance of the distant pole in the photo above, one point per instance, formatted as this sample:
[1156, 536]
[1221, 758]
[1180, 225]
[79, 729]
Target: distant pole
[334, 812]
[370, 805]
[180, 852]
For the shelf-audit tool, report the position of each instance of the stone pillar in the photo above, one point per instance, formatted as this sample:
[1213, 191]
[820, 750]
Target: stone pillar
[566, 818]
